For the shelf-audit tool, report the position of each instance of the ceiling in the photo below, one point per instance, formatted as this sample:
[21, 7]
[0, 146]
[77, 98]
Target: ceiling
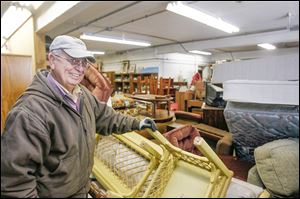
[150, 21]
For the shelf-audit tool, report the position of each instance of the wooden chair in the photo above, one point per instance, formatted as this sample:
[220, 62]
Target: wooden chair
[153, 84]
[165, 85]
[143, 83]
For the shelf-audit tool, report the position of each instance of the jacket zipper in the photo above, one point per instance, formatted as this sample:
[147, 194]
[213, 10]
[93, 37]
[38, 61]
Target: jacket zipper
[82, 126]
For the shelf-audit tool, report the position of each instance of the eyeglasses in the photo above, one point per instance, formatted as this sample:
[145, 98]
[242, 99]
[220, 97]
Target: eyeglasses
[76, 62]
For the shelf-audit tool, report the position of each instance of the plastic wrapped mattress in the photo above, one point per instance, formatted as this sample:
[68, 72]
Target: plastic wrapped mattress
[273, 68]
[262, 100]
[258, 112]
[253, 125]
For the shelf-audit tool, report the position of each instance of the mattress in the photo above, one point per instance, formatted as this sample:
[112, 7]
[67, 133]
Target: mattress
[259, 91]
[242, 189]
[274, 68]
[254, 124]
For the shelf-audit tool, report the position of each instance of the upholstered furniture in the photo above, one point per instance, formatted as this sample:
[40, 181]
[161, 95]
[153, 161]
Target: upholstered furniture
[183, 138]
[277, 167]
[187, 117]
[221, 139]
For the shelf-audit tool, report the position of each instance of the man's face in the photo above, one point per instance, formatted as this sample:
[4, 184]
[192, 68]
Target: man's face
[66, 70]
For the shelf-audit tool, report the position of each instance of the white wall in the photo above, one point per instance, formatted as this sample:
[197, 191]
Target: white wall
[170, 64]
[207, 73]
[177, 63]
[174, 64]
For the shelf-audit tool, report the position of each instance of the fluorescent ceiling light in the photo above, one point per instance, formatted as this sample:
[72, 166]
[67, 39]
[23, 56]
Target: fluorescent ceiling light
[113, 40]
[97, 52]
[194, 14]
[200, 52]
[267, 46]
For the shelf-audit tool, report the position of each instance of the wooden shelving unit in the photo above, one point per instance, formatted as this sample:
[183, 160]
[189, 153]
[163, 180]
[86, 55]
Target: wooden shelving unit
[127, 82]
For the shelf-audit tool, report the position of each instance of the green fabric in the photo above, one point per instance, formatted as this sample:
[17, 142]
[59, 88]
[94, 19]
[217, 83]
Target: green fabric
[277, 164]
[253, 177]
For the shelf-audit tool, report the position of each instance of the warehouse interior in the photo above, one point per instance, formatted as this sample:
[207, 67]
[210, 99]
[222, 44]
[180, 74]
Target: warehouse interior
[224, 98]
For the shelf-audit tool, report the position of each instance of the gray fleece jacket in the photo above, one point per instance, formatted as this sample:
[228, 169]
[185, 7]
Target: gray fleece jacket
[47, 147]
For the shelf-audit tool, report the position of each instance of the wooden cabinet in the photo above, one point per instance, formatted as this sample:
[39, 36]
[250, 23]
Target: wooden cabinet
[179, 97]
[122, 82]
[213, 116]
[16, 75]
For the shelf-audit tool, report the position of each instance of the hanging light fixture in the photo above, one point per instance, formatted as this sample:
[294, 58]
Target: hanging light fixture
[113, 40]
[184, 10]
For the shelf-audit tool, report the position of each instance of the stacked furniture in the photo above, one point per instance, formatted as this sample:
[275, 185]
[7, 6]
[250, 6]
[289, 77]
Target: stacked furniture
[263, 107]
[183, 137]
[260, 112]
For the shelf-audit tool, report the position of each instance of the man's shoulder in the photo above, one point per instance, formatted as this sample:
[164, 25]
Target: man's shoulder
[33, 105]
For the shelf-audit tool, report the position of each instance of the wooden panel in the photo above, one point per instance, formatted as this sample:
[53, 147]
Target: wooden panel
[194, 103]
[179, 97]
[213, 116]
[16, 75]
[153, 84]
[40, 51]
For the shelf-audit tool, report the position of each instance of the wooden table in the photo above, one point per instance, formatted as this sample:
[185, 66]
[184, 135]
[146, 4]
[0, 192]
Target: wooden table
[182, 98]
[161, 116]
[154, 100]
[193, 104]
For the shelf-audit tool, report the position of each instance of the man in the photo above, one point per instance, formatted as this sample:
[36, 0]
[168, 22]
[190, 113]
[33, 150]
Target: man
[197, 77]
[48, 141]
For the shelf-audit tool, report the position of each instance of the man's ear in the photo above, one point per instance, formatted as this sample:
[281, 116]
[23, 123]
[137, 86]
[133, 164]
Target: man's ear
[51, 60]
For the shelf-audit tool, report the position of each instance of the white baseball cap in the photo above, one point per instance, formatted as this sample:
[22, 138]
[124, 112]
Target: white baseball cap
[73, 46]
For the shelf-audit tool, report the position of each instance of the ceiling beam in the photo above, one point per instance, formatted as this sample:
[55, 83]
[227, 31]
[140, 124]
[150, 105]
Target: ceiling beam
[246, 40]
[233, 41]
[57, 13]
[4, 7]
